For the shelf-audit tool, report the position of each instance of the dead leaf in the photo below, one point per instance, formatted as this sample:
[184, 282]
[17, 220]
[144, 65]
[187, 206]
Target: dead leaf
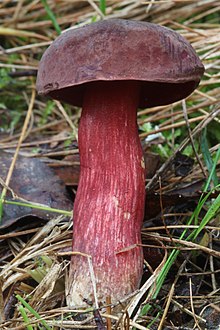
[68, 171]
[34, 181]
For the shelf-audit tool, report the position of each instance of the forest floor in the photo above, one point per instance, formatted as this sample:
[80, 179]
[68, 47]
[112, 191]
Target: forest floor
[39, 172]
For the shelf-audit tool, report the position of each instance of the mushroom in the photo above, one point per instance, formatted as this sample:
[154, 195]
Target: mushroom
[111, 68]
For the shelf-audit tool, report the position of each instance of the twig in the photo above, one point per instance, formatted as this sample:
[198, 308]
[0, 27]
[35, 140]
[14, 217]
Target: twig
[189, 244]
[96, 8]
[187, 311]
[213, 279]
[192, 306]
[109, 311]
[67, 118]
[191, 138]
[11, 168]
[170, 296]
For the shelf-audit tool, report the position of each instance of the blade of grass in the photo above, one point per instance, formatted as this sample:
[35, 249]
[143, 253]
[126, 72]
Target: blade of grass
[213, 171]
[51, 16]
[25, 318]
[102, 6]
[33, 312]
[208, 160]
[40, 207]
[212, 211]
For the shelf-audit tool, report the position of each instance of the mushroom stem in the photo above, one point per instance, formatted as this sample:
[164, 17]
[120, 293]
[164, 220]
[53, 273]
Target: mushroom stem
[109, 205]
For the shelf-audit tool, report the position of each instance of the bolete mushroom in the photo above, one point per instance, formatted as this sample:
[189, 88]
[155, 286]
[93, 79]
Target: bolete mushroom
[111, 68]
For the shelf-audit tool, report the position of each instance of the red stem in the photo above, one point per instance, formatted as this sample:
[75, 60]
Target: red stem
[109, 206]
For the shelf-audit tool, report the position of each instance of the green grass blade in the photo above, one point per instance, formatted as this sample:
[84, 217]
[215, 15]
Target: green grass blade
[1, 210]
[2, 200]
[212, 172]
[102, 6]
[208, 161]
[25, 318]
[212, 211]
[33, 312]
[39, 207]
[51, 16]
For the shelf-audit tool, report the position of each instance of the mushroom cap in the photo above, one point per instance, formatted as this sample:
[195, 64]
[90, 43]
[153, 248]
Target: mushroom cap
[117, 50]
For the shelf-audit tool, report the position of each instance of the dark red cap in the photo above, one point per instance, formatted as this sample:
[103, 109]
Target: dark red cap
[117, 49]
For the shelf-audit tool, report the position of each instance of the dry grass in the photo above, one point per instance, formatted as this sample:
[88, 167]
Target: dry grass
[25, 32]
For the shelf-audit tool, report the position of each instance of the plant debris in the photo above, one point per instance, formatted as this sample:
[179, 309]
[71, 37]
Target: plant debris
[32, 182]
[180, 285]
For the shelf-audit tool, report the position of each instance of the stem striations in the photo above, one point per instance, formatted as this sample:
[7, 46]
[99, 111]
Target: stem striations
[109, 205]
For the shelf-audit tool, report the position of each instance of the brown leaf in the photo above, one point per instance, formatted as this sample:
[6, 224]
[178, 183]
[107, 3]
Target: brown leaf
[69, 173]
[33, 181]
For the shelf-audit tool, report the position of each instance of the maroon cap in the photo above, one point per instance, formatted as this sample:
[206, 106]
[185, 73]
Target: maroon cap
[161, 59]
